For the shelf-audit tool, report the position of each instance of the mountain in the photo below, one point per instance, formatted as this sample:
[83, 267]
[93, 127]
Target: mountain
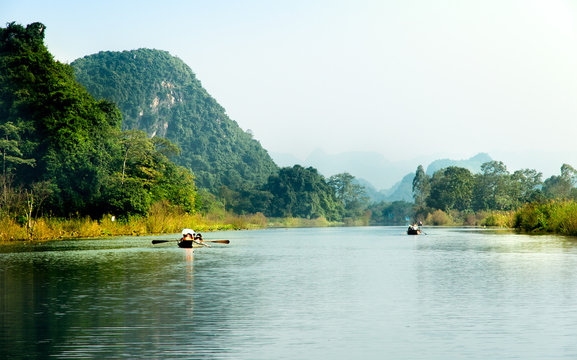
[63, 152]
[473, 164]
[401, 191]
[159, 94]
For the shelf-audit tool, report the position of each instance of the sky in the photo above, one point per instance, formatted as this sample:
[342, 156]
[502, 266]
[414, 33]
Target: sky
[403, 78]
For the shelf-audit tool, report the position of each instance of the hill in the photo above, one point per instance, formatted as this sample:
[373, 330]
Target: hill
[159, 94]
[472, 164]
[63, 152]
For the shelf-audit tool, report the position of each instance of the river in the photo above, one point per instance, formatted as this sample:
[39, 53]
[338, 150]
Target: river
[322, 293]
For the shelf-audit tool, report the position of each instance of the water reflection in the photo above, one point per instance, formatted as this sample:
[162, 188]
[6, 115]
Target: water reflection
[294, 294]
[508, 286]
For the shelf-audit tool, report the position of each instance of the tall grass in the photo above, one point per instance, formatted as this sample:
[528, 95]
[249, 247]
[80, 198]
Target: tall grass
[162, 219]
[292, 222]
[557, 216]
[502, 219]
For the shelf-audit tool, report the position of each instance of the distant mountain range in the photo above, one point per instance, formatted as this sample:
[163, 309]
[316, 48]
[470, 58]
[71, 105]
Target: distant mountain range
[384, 180]
[370, 166]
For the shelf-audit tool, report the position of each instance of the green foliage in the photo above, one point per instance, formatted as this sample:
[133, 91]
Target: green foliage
[552, 216]
[302, 192]
[451, 188]
[394, 213]
[159, 94]
[82, 162]
[421, 187]
[352, 195]
[502, 219]
[562, 186]
[493, 187]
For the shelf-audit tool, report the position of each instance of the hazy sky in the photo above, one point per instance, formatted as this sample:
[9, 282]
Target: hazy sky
[404, 78]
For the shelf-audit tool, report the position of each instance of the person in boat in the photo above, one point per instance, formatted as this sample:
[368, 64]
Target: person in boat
[198, 237]
[187, 235]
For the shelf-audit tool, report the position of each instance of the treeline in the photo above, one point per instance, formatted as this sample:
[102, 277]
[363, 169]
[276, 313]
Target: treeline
[456, 190]
[304, 193]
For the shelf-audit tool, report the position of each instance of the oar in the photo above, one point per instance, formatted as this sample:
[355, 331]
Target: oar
[214, 241]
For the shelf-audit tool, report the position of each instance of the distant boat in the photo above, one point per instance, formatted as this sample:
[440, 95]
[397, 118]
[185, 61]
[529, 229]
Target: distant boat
[413, 230]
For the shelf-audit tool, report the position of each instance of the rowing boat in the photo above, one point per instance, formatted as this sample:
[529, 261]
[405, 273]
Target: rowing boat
[192, 243]
[188, 244]
[413, 231]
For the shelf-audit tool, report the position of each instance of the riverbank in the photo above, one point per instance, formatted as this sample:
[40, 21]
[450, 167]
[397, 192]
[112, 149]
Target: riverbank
[554, 217]
[157, 222]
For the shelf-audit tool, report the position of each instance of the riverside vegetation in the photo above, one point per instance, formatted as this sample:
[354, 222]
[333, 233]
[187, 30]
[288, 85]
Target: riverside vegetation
[138, 140]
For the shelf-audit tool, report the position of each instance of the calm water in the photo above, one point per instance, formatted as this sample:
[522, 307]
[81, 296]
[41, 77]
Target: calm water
[337, 293]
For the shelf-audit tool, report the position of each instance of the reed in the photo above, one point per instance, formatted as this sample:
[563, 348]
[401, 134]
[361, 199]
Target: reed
[502, 219]
[162, 219]
[439, 218]
[292, 222]
[556, 216]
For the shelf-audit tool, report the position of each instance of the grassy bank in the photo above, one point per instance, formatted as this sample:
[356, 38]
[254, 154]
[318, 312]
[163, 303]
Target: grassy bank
[502, 219]
[159, 221]
[556, 217]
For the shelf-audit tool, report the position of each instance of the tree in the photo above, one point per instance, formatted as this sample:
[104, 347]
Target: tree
[562, 186]
[302, 192]
[352, 195]
[451, 189]
[493, 187]
[421, 186]
[527, 185]
[11, 157]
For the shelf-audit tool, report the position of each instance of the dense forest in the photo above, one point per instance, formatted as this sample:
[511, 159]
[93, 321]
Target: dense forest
[159, 94]
[63, 152]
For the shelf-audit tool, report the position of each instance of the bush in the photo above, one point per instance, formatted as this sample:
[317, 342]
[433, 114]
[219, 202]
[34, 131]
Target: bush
[500, 219]
[558, 217]
[439, 218]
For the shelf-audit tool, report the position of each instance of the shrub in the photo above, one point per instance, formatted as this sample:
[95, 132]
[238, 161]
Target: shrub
[439, 218]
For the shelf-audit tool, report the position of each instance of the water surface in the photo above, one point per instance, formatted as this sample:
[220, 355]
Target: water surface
[330, 293]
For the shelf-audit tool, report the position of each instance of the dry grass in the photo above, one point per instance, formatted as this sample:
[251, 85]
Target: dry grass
[162, 219]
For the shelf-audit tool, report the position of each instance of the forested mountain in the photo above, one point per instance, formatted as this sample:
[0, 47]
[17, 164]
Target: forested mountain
[61, 148]
[159, 94]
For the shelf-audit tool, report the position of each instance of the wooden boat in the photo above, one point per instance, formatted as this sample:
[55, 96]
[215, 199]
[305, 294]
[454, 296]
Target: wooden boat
[413, 231]
[188, 244]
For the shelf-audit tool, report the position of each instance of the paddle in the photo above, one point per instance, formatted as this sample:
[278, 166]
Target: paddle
[214, 241]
